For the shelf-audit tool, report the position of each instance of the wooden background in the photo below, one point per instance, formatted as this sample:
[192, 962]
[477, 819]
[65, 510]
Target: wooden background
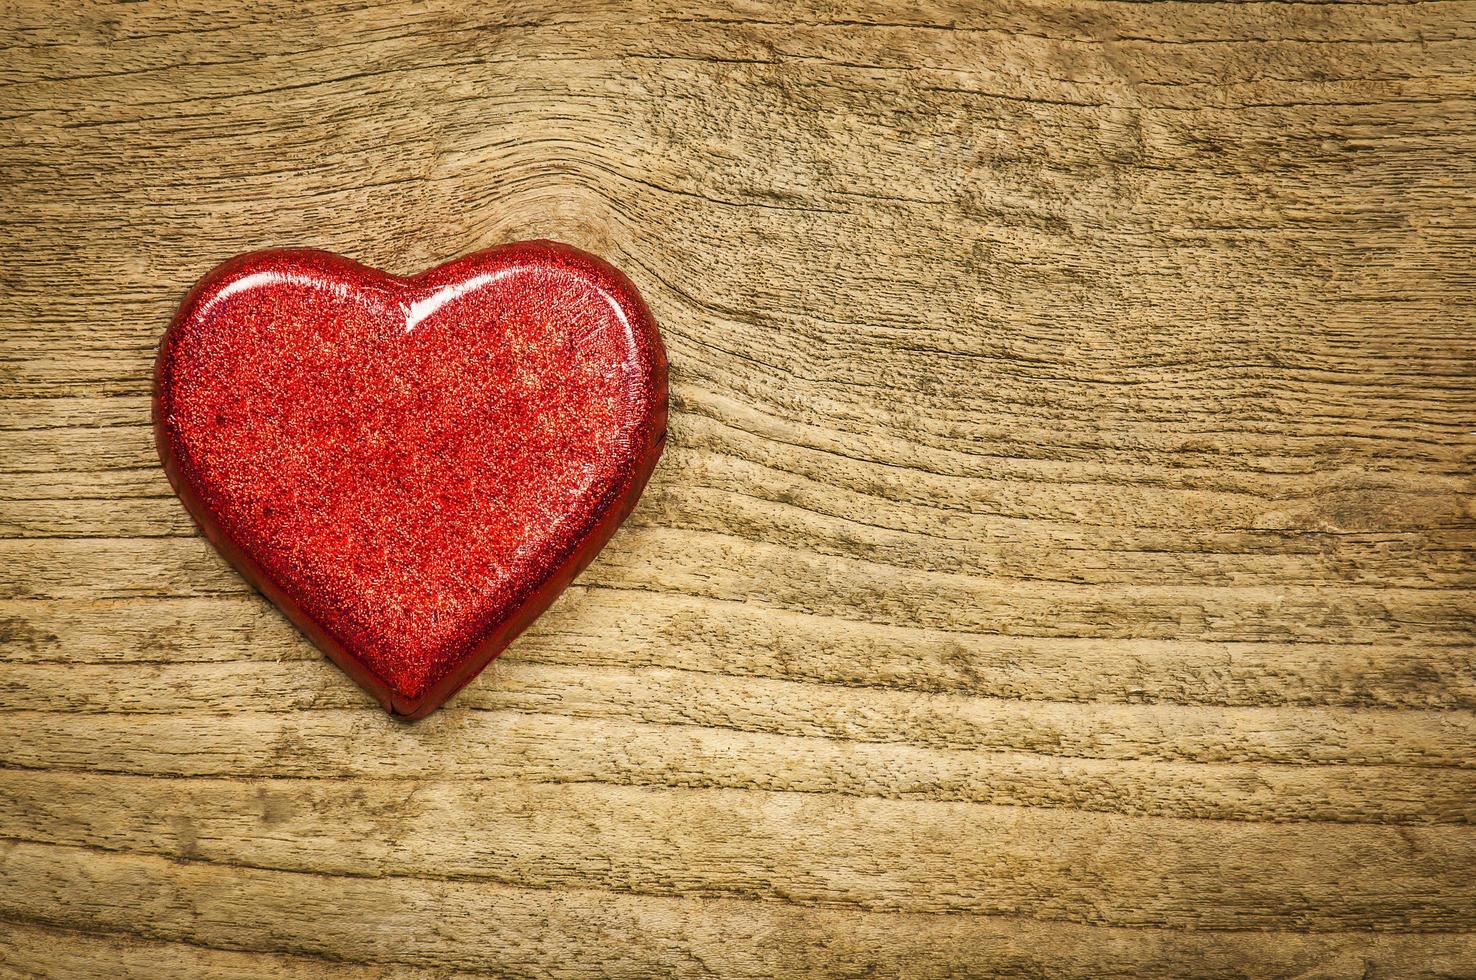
[1062, 564]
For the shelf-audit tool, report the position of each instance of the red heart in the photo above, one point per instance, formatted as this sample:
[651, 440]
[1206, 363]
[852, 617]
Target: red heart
[412, 469]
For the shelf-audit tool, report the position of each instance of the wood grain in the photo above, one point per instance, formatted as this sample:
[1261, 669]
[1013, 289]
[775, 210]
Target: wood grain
[1062, 564]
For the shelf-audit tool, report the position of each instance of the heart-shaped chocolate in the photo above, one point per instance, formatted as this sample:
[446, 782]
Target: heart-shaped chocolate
[412, 469]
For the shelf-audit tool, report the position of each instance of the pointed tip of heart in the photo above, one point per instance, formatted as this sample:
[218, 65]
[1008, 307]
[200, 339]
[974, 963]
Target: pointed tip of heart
[411, 709]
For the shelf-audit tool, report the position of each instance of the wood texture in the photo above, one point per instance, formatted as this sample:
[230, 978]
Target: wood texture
[1062, 563]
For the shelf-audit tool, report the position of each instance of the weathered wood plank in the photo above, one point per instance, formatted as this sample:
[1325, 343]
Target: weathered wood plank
[469, 744]
[604, 628]
[730, 568]
[28, 950]
[530, 932]
[1064, 561]
[1208, 734]
[923, 856]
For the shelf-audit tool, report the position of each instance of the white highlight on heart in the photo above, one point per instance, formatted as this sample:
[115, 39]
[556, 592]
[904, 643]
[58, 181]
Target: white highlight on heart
[418, 311]
[256, 279]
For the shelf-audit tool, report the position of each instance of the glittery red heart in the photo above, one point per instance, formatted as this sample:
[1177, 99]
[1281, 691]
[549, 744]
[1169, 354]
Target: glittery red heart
[412, 469]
